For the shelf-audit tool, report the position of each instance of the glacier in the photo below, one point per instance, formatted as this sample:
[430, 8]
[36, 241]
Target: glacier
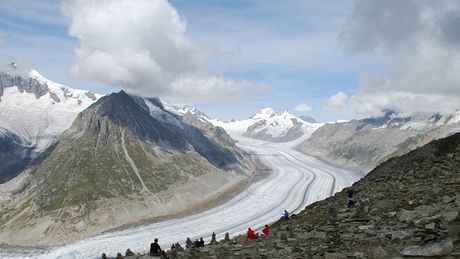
[294, 180]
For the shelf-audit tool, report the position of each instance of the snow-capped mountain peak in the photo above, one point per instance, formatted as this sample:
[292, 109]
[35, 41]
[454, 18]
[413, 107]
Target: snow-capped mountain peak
[62, 93]
[37, 109]
[268, 124]
[264, 113]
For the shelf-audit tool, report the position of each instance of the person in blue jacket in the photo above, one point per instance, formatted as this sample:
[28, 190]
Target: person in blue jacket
[285, 215]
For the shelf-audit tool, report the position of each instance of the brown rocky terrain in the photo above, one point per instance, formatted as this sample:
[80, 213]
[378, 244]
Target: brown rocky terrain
[406, 207]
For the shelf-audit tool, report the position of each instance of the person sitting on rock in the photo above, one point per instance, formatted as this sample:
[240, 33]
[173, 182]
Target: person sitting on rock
[173, 247]
[155, 249]
[265, 231]
[201, 242]
[227, 237]
[188, 243]
[350, 199]
[179, 247]
[285, 215]
[251, 234]
[104, 256]
[129, 252]
[197, 243]
[213, 239]
[119, 256]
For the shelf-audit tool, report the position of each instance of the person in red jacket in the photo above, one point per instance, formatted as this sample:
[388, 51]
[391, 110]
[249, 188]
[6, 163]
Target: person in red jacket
[251, 234]
[266, 230]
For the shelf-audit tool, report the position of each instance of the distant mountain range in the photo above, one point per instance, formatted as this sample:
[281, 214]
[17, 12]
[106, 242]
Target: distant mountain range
[270, 125]
[363, 144]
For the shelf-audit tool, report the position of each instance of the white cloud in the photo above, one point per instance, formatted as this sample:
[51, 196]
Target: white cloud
[404, 102]
[422, 41]
[141, 46]
[336, 101]
[209, 88]
[302, 107]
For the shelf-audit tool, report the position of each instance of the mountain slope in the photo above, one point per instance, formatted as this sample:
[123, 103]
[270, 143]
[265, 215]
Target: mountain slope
[362, 144]
[14, 157]
[270, 125]
[121, 150]
[407, 206]
[35, 111]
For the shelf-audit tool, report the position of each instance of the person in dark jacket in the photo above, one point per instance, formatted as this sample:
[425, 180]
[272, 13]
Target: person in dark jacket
[350, 198]
[129, 252]
[178, 247]
[201, 242]
[285, 215]
[188, 243]
[155, 249]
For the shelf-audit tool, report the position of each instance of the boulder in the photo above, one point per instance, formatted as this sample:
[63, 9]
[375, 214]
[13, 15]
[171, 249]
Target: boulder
[417, 213]
[442, 248]
[399, 234]
[457, 201]
[449, 214]
[334, 256]
[431, 226]
[379, 252]
[387, 204]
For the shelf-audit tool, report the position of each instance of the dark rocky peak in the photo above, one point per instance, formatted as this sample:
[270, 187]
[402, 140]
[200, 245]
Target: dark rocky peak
[29, 85]
[376, 121]
[389, 118]
[123, 111]
[130, 113]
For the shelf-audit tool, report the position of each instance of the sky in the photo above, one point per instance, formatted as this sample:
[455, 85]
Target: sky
[326, 59]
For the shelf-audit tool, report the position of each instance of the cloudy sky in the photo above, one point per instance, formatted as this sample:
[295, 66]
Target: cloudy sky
[326, 59]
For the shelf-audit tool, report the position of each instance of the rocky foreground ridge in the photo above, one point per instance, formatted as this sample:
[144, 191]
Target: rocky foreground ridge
[407, 206]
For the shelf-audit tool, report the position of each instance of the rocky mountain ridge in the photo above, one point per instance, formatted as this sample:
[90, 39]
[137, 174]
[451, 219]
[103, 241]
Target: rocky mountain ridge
[363, 144]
